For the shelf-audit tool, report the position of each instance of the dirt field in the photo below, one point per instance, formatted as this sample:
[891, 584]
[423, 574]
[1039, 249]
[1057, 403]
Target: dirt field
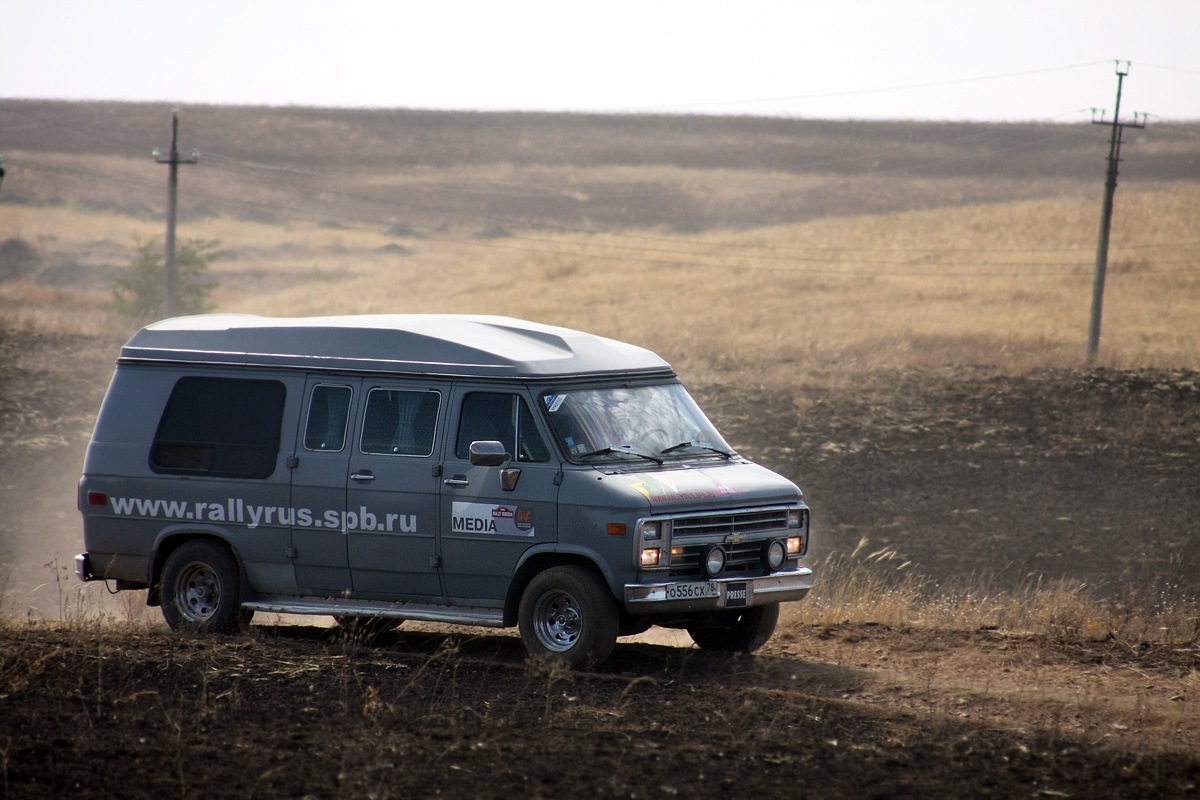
[864, 712]
[976, 480]
[1084, 474]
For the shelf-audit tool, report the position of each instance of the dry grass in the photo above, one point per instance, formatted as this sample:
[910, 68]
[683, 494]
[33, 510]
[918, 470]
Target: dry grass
[874, 586]
[865, 586]
[1008, 285]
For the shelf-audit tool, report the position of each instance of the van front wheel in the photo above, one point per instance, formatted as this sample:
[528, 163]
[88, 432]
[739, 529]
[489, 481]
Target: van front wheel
[200, 589]
[734, 631]
[567, 614]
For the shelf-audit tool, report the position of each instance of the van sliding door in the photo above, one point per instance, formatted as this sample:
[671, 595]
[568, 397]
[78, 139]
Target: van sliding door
[391, 496]
[322, 464]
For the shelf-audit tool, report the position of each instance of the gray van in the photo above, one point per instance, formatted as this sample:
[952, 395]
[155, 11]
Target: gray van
[459, 469]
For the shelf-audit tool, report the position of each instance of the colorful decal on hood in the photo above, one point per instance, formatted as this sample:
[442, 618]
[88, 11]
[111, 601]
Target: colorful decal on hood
[680, 486]
[489, 519]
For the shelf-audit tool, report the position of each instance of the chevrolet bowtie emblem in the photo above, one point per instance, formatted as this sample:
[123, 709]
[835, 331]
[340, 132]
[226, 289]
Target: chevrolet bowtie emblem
[735, 538]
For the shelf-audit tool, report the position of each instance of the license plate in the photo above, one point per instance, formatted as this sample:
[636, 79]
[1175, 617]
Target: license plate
[692, 591]
[736, 594]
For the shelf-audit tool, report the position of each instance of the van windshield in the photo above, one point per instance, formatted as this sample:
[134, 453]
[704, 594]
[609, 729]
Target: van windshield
[652, 423]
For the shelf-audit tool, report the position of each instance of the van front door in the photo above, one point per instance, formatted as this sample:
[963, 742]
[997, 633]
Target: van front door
[490, 516]
[391, 497]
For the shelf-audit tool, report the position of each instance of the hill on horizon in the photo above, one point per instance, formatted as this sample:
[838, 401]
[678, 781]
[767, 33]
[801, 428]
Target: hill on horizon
[489, 172]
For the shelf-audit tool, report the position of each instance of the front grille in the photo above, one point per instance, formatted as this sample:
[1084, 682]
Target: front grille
[740, 559]
[692, 535]
[719, 525]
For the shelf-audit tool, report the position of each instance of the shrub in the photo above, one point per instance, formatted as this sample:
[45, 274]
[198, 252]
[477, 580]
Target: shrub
[18, 258]
[138, 289]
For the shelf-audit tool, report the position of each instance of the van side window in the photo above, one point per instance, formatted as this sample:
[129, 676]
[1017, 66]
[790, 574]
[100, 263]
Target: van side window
[328, 411]
[400, 422]
[221, 427]
[504, 418]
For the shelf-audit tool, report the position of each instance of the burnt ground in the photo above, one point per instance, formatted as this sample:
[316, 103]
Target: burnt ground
[1086, 474]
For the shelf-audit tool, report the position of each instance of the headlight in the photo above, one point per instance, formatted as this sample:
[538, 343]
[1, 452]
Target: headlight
[650, 531]
[650, 557]
[795, 545]
[714, 560]
[775, 554]
[797, 517]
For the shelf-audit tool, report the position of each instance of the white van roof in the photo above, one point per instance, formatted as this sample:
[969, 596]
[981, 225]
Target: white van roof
[424, 344]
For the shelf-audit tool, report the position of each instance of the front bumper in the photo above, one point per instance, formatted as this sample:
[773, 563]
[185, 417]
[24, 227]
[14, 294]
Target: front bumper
[659, 598]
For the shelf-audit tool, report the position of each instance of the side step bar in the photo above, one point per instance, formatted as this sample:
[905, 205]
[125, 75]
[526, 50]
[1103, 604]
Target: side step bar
[424, 612]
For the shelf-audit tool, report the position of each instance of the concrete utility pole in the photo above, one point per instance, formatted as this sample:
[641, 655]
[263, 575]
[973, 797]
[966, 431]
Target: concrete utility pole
[173, 160]
[1110, 188]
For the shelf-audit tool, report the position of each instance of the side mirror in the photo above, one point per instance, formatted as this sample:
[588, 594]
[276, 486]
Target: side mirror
[488, 454]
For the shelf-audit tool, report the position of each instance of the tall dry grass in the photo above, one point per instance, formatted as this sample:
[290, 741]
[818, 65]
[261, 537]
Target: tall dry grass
[870, 585]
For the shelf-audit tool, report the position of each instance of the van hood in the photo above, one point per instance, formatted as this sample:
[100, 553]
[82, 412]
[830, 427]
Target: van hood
[718, 486]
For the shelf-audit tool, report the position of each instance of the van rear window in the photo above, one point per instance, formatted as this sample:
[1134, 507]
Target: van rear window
[222, 427]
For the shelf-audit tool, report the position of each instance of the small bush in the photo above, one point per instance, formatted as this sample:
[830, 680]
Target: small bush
[138, 289]
[18, 259]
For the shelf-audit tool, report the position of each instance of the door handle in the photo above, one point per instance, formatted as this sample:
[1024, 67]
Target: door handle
[457, 480]
[365, 476]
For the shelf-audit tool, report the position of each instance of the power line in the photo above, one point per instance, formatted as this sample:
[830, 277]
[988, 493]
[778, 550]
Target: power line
[887, 89]
[1170, 69]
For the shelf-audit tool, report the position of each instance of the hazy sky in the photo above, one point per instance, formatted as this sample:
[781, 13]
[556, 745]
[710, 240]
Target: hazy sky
[926, 59]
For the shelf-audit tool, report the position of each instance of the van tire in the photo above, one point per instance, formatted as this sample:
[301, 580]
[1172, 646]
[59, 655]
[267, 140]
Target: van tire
[741, 631]
[201, 588]
[568, 615]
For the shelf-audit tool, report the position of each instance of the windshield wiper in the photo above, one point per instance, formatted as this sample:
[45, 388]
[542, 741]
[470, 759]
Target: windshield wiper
[624, 449]
[699, 445]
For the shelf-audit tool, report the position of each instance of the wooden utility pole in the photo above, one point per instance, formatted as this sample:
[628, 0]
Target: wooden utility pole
[1110, 188]
[173, 160]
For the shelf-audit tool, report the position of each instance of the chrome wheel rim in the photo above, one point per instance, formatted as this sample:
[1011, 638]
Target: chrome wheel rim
[197, 592]
[558, 621]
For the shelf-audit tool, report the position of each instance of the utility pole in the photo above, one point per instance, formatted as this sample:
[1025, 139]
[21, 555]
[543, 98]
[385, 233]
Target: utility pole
[1110, 188]
[173, 160]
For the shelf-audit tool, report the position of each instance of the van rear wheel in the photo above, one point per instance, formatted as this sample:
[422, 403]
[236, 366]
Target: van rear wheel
[567, 614]
[201, 589]
[734, 631]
